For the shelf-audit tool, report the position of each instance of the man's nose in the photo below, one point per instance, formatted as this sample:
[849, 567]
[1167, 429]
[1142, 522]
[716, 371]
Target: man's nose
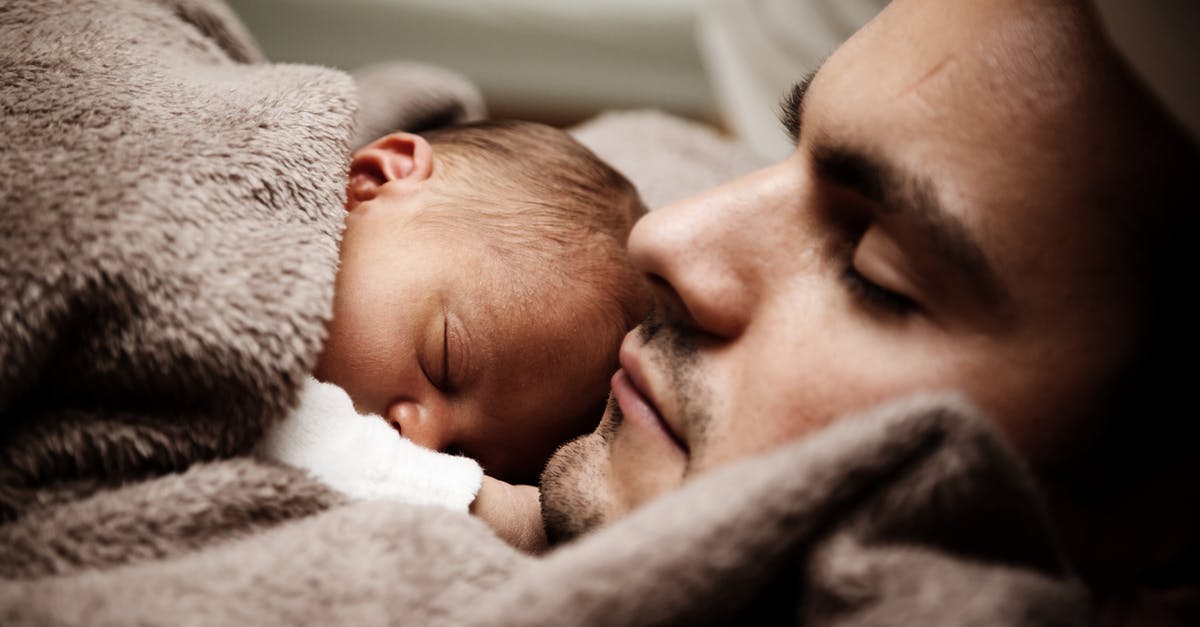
[702, 258]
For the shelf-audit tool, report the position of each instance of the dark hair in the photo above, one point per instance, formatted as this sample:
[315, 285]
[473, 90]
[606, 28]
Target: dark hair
[1140, 428]
[1149, 396]
[545, 201]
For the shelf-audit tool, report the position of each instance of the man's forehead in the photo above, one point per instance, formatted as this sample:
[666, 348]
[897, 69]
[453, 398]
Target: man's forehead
[983, 115]
[1008, 87]
[1008, 47]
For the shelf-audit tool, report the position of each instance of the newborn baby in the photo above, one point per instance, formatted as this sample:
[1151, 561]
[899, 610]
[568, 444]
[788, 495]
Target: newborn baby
[481, 298]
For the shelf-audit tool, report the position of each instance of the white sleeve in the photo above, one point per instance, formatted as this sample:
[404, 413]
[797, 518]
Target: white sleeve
[363, 457]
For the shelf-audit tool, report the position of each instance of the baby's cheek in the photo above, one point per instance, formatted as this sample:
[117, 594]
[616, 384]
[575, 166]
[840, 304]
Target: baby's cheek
[328, 360]
[340, 365]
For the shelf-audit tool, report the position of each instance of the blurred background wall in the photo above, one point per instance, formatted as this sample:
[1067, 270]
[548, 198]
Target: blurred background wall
[552, 60]
[725, 62]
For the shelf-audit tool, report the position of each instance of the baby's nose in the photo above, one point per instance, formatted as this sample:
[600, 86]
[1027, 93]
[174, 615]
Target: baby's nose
[424, 424]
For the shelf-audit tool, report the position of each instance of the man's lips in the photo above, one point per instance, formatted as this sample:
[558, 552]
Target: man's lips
[631, 394]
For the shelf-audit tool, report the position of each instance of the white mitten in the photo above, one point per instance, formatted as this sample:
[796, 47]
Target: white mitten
[363, 457]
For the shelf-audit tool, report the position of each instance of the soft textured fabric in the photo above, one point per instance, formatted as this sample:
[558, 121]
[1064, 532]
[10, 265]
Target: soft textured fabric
[171, 208]
[412, 97]
[169, 222]
[912, 515]
[667, 158]
[169, 219]
[148, 166]
[363, 457]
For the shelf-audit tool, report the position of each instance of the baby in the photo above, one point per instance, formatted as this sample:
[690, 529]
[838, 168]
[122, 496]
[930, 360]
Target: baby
[481, 299]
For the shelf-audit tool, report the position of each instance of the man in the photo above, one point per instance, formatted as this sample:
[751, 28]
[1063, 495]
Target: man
[976, 201]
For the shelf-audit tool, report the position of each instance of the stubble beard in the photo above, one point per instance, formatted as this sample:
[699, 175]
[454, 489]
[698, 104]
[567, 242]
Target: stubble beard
[575, 496]
[575, 493]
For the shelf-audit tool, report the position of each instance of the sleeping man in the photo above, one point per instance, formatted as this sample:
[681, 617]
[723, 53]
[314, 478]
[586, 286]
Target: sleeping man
[982, 198]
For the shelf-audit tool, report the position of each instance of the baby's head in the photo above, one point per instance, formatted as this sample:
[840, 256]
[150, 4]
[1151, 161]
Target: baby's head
[483, 290]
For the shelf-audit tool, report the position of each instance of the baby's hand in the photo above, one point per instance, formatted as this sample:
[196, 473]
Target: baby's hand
[513, 512]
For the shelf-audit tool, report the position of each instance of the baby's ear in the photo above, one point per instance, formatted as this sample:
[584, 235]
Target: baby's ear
[394, 157]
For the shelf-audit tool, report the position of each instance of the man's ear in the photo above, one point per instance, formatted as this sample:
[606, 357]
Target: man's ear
[394, 157]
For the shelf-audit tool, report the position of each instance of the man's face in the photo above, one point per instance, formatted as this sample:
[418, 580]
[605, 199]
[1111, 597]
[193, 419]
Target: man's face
[939, 226]
[429, 332]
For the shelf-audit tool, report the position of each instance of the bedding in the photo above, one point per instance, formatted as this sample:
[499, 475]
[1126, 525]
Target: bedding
[169, 221]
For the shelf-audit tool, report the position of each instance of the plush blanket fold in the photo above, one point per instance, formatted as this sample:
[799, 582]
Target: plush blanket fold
[171, 208]
[169, 220]
[876, 520]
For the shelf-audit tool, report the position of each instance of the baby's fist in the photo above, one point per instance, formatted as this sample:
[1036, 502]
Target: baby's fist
[514, 512]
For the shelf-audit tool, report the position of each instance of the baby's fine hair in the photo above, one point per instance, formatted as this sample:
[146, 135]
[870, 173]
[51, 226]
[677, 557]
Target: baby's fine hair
[545, 201]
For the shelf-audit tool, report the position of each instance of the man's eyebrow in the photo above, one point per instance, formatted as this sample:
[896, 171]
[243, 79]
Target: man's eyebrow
[915, 200]
[791, 106]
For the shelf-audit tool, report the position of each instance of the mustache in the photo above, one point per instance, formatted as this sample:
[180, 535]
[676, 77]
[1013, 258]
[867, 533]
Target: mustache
[651, 324]
[608, 428]
[666, 335]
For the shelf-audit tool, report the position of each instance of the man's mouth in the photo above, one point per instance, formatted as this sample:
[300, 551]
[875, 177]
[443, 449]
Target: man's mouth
[632, 395]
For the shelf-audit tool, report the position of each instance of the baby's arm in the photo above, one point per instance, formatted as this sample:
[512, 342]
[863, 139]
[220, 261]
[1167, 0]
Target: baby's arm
[363, 457]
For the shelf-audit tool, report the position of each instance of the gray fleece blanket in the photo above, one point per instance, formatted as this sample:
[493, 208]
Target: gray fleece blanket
[170, 207]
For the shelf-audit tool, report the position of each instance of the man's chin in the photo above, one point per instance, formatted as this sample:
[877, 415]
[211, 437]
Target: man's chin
[575, 491]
